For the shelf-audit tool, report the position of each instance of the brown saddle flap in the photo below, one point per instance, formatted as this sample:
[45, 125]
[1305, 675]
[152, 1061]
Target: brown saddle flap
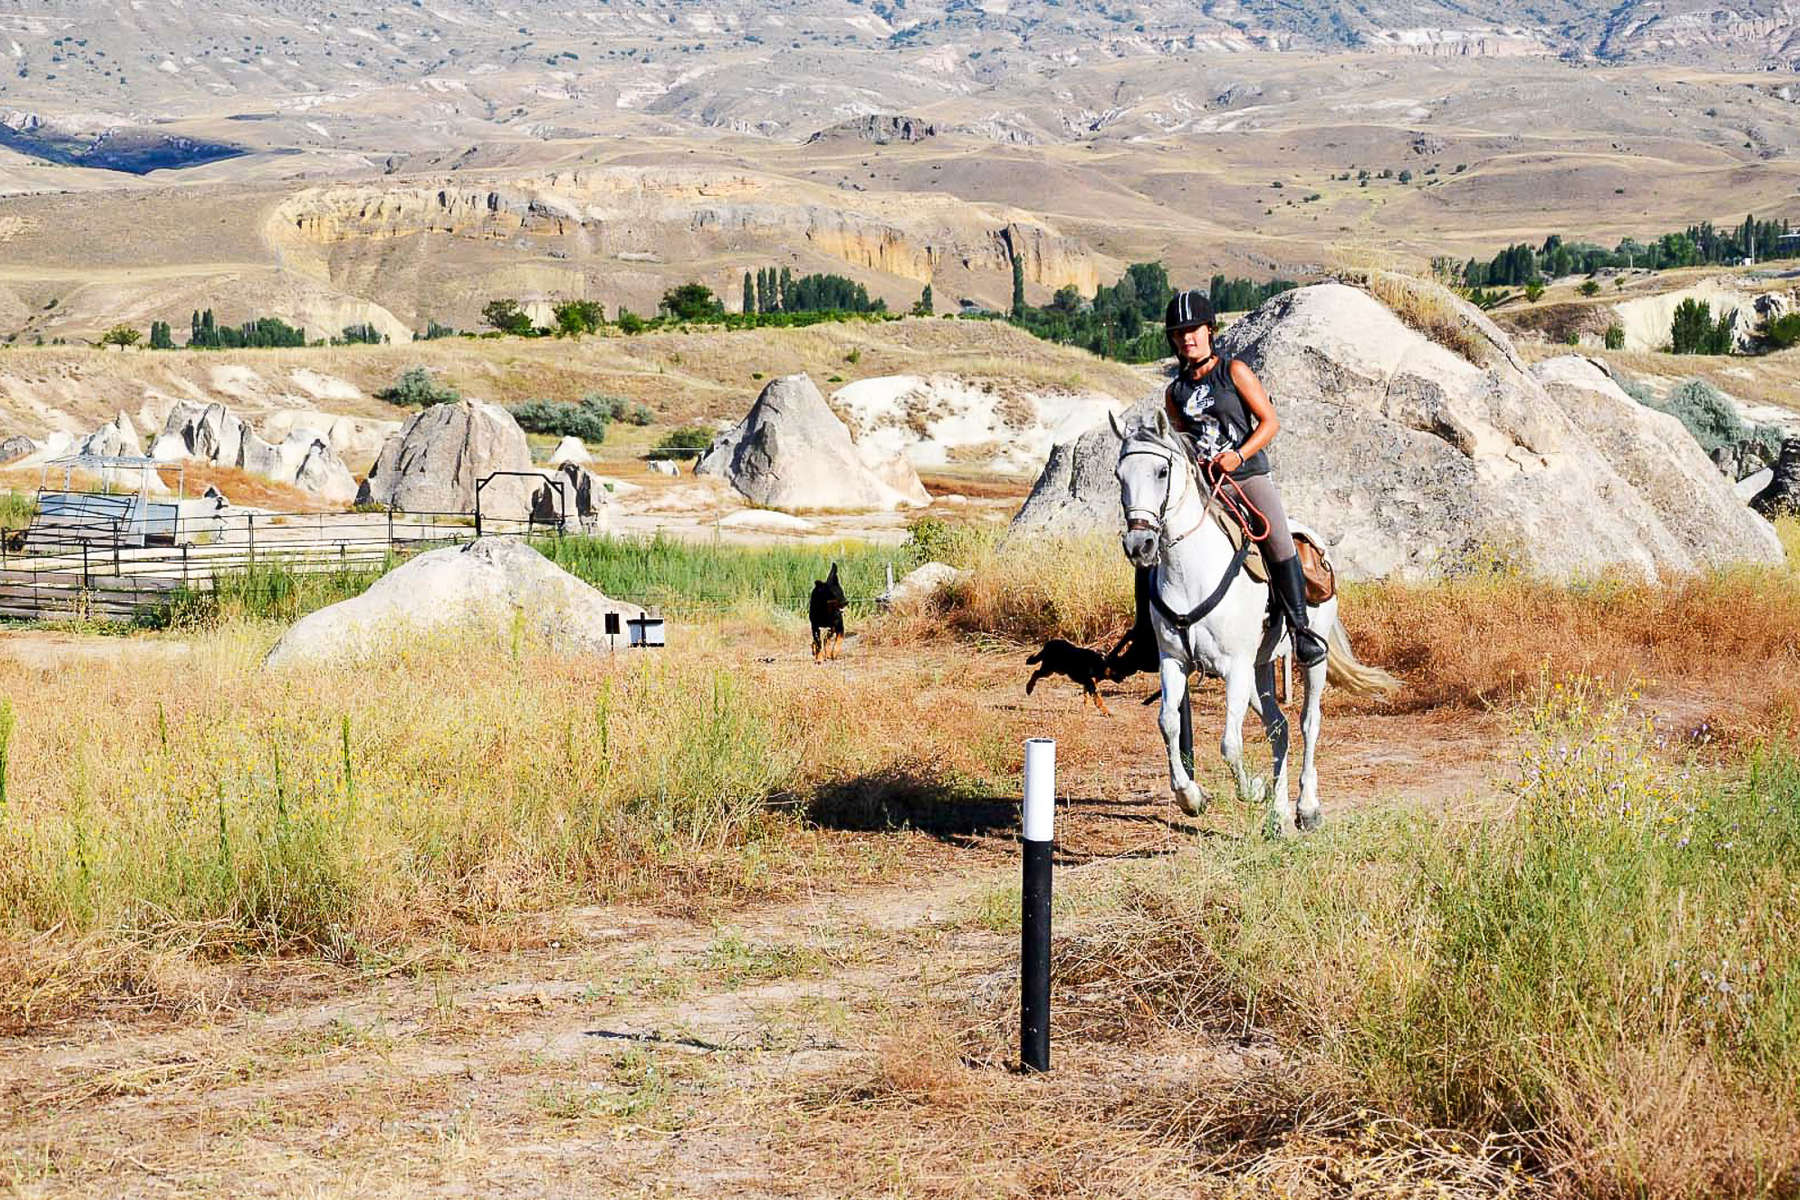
[1321, 579]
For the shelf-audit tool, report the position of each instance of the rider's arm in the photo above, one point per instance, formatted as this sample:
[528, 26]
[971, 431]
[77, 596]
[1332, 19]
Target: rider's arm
[1250, 389]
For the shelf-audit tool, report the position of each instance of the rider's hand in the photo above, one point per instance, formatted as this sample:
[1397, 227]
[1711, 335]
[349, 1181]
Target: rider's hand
[1228, 460]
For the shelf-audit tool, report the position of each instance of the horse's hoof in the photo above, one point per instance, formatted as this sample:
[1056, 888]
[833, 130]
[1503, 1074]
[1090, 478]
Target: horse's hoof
[1275, 828]
[1191, 800]
[1308, 820]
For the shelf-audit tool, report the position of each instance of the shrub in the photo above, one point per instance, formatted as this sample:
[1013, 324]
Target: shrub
[1710, 417]
[1692, 330]
[1534, 291]
[1590, 287]
[576, 317]
[363, 335]
[121, 335]
[1615, 336]
[506, 317]
[690, 441]
[416, 389]
[586, 419]
[1783, 331]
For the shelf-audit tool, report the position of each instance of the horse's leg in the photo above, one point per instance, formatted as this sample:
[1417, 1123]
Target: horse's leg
[1310, 815]
[1240, 685]
[1188, 794]
[1280, 817]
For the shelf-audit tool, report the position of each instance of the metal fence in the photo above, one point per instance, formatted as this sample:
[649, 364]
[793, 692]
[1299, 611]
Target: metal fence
[92, 571]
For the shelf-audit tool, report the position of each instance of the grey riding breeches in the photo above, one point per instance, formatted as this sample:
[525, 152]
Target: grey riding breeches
[1260, 491]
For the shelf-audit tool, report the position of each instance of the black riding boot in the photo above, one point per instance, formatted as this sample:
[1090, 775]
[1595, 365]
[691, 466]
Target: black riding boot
[1137, 650]
[1290, 589]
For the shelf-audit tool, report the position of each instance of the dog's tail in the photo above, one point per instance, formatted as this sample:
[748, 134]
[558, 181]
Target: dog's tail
[1036, 658]
[1343, 670]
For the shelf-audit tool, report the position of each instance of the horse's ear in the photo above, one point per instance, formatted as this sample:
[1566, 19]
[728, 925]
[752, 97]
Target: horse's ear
[1162, 425]
[1112, 418]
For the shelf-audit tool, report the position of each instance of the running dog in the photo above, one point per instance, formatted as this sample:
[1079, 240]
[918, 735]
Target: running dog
[825, 609]
[1078, 663]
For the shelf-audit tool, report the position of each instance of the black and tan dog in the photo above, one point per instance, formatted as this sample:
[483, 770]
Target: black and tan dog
[1082, 665]
[825, 609]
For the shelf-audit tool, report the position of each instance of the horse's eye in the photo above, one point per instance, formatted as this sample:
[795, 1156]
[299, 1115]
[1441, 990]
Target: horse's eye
[1162, 472]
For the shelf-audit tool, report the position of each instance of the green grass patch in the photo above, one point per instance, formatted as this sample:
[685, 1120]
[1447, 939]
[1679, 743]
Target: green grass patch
[686, 577]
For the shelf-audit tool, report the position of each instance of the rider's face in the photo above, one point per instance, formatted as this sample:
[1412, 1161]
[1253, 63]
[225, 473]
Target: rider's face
[1195, 343]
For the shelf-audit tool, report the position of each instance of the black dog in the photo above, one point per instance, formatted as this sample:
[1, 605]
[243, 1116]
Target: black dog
[1078, 663]
[825, 609]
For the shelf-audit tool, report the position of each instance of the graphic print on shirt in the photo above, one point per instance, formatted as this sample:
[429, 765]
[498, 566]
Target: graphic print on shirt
[1203, 425]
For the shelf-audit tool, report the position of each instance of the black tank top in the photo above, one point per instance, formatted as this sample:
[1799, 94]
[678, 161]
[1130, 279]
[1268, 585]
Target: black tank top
[1210, 410]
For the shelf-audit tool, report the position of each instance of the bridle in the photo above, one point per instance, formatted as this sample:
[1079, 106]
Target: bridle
[1156, 521]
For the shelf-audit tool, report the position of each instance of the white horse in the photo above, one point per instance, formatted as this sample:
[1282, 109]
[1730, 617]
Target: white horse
[1208, 613]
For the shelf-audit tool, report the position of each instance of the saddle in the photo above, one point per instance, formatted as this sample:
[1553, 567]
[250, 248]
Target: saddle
[1321, 577]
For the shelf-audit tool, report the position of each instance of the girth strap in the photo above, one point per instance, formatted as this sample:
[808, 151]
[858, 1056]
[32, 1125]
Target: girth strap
[1184, 621]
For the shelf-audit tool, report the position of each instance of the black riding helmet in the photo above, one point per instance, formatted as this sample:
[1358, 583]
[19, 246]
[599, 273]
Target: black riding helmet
[1187, 310]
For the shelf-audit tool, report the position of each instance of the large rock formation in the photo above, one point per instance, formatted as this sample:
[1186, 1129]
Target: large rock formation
[791, 452]
[435, 461]
[16, 447]
[1409, 457]
[487, 585]
[118, 438]
[304, 459]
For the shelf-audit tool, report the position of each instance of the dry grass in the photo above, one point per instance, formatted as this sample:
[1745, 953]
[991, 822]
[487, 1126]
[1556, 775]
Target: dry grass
[216, 809]
[1431, 309]
[1481, 642]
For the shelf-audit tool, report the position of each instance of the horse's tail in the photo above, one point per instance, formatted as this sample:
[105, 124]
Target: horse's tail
[1343, 670]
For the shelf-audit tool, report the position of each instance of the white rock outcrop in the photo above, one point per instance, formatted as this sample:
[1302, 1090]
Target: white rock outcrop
[939, 420]
[791, 452]
[487, 586]
[921, 584]
[304, 458]
[571, 450]
[1409, 457]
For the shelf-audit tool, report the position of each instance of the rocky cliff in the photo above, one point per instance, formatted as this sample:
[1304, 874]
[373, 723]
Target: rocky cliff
[605, 232]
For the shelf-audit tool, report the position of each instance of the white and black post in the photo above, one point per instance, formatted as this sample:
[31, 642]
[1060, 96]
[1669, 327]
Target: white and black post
[1034, 918]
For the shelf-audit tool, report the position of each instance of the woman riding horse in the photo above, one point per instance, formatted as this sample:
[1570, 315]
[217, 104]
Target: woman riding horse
[1220, 405]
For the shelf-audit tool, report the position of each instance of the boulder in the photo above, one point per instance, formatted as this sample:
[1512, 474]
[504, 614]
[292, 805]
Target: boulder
[584, 503]
[1782, 493]
[322, 473]
[1658, 458]
[434, 462]
[16, 447]
[921, 584]
[791, 452]
[1409, 457]
[205, 431]
[354, 439]
[571, 450]
[488, 585]
[116, 439]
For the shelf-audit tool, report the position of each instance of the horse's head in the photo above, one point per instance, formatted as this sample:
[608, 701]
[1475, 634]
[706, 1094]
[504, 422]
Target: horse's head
[1152, 475]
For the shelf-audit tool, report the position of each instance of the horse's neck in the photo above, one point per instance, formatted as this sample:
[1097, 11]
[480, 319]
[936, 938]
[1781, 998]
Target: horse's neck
[1193, 566]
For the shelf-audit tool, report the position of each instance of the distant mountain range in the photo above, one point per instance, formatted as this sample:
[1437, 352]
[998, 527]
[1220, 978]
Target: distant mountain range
[107, 60]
